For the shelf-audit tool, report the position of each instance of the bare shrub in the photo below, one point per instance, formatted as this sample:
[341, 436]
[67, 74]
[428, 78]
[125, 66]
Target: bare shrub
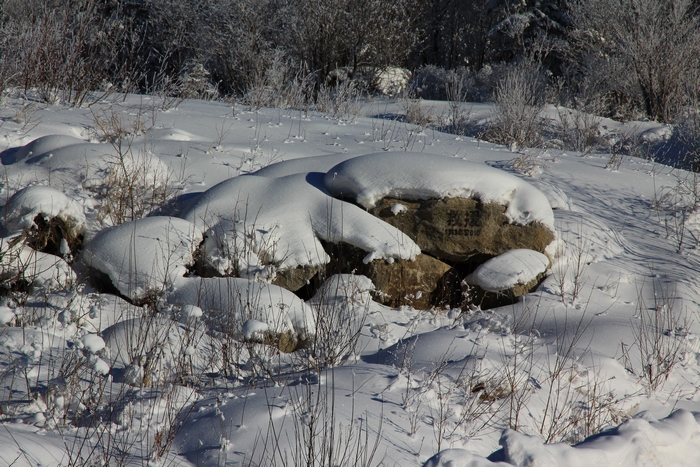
[519, 99]
[579, 130]
[643, 54]
[136, 182]
[658, 335]
[527, 163]
[57, 49]
[687, 133]
[341, 102]
[676, 205]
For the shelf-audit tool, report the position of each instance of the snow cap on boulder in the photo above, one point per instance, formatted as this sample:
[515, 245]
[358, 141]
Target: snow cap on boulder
[413, 176]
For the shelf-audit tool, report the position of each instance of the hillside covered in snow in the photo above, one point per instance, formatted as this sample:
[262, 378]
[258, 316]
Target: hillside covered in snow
[216, 285]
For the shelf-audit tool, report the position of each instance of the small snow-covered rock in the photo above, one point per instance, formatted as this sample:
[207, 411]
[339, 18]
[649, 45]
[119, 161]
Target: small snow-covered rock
[143, 255]
[24, 206]
[20, 262]
[99, 365]
[190, 313]
[164, 344]
[229, 302]
[507, 271]
[352, 287]
[254, 329]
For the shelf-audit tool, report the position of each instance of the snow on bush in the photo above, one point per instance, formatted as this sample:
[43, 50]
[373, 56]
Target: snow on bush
[229, 302]
[391, 81]
[143, 256]
[406, 175]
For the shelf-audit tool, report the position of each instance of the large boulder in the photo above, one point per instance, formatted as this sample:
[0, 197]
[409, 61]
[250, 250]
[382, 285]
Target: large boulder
[459, 229]
[295, 278]
[506, 277]
[421, 283]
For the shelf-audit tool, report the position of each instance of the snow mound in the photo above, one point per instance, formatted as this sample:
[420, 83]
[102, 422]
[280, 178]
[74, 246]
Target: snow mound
[93, 343]
[7, 314]
[143, 255]
[229, 302]
[21, 262]
[642, 440]
[406, 175]
[303, 165]
[170, 134]
[24, 206]
[342, 287]
[254, 225]
[43, 145]
[505, 271]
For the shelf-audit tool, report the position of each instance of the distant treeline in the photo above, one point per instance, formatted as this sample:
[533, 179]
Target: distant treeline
[622, 58]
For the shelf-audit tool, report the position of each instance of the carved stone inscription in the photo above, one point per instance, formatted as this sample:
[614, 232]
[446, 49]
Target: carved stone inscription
[465, 223]
[456, 229]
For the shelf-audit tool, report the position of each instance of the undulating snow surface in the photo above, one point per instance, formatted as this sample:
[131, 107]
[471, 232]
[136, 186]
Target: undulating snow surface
[143, 349]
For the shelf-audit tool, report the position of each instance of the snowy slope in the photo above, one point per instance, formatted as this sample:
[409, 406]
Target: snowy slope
[608, 343]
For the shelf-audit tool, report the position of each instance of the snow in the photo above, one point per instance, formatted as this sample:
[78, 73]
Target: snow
[171, 367]
[38, 268]
[256, 225]
[22, 209]
[93, 343]
[143, 255]
[642, 440]
[514, 267]
[6, 315]
[254, 329]
[229, 302]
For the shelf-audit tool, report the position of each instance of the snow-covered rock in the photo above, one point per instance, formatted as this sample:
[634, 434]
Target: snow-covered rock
[24, 206]
[153, 348]
[508, 270]
[229, 302]
[255, 226]
[412, 176]
[143, 256]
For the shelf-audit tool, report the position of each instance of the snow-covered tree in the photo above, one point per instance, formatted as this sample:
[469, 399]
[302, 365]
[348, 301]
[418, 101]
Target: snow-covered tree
[644, 53]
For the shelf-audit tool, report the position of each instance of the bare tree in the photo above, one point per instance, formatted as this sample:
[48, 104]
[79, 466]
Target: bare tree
[645, 53]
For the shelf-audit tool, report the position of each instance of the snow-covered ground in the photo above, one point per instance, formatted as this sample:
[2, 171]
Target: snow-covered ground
[116, 351]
